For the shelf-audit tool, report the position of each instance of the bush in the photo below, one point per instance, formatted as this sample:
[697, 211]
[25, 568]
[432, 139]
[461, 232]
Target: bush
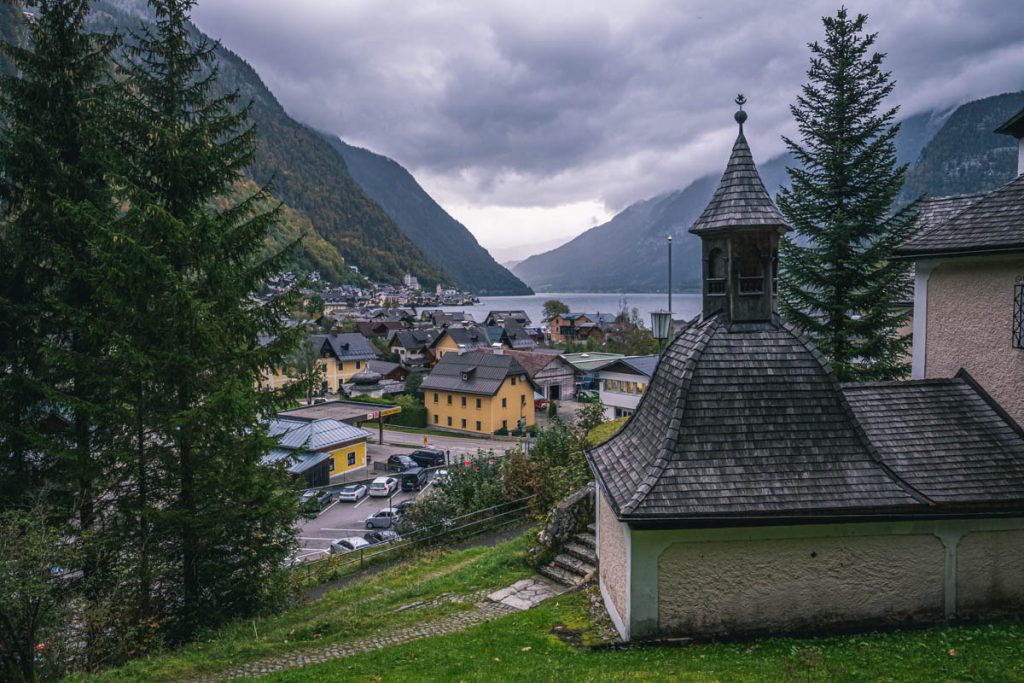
[553, 409]
[501, 431]
[414, 413]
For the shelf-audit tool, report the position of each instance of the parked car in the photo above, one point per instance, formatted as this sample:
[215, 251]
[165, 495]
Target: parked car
[315, 500]
[414, 479]
[384, 518]
[382, 487]
[404, 505]
[347, 545]
[441, 476]
[352, 492]
[540, 403]
[400, 462]
[382, 536]
[429, 457]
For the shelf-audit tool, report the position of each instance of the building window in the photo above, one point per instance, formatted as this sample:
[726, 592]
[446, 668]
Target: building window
[435, 397]
[1018, 313]
[513, 381]
[435, 418]
[330, 465]
[504, 403]
[504, 424]
[359, 364]
[463, 401]
[716, 272]
[751, 275]
[449, 420]
[449, 399]
[478, 425]
[352, 459]
[478, 404]
[463, 423]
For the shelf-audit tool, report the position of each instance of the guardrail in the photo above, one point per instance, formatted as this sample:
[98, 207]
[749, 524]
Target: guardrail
[464, 526]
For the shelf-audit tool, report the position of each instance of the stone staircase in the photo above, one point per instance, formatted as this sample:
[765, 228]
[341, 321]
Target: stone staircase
[576, 563]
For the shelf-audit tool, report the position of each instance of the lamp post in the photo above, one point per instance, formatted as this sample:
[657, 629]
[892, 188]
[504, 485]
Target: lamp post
[670, 274]
[661, 322]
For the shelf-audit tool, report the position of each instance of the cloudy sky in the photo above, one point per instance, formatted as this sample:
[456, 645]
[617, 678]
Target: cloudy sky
[531, 121]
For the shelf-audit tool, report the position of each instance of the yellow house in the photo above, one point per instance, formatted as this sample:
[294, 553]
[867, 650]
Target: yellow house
[319, 450]
[455, 339]
[340, 356]
[478, 392]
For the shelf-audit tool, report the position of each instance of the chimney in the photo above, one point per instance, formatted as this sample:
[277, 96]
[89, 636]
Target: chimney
[1015, 128]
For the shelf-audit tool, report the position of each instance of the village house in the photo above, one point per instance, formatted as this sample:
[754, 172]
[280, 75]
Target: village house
[318, 450]
[413, 347]
[455, 339]
[479, 392]
[514, 336]
[499, 318]
[564, 328]
[622, 384]
[969, 286]
[587, 364]
[752, 492]
[554, 376]
[439, 318]
[341, 356]
[379, 328]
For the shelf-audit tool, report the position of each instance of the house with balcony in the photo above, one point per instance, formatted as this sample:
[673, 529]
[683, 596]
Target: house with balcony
[340, 356]
[565, 328]
[413, 347]
[622, 383]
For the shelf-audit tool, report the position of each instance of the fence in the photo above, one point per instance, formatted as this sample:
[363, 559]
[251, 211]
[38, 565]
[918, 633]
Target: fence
[493, 518]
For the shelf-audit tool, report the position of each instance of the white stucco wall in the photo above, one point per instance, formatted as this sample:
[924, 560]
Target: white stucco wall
[612, 558]
[990, 571]
[791, 584]
[969, 324]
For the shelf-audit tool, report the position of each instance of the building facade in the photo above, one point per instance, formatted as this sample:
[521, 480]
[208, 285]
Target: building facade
[340, 357]
[479, 392]
[622, 384]
[321, 451]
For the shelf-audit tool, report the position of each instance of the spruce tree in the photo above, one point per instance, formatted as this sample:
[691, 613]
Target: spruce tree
[201, 342]
[840, 288]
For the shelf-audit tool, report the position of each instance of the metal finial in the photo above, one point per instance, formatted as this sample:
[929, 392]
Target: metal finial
[741, 115]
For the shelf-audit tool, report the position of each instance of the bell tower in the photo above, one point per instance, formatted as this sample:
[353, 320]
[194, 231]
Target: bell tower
[739, 231]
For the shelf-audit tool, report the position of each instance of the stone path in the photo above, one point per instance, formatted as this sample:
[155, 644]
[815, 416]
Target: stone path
[484, 612]
[528, 593]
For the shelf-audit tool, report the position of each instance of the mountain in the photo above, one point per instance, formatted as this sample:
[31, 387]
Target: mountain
[628, 253]
[305, 172]
[965, 155]
[443, 240]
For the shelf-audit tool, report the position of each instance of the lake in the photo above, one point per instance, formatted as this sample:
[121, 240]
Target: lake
[684, 306]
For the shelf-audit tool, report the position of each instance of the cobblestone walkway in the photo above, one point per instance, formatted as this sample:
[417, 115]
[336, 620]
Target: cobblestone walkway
[483, 612]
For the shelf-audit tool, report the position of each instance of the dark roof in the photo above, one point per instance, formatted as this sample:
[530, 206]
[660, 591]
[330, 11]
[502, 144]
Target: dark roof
[1013, 126]
[535, 361]
[474, 337]
[944, 437]
[993, 223]
[347, 346]
[740, 201]
[415, 340]
[475, 372]
[934, 211]
[606, 318]
[516, 336]
[385, 368]
[498, 317]
[639, 365]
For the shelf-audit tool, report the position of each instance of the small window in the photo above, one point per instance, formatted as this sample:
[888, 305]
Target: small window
[359, 364]
[435, 418]
[435, 397]
[449, 399]
[449, 420]
[330, 465]
[478, 425]
[463, 423]
[478, 404]
[352, 459]
[463, 401]
[1018, 313]
[504, 403]
[513, 381]
[504, 424]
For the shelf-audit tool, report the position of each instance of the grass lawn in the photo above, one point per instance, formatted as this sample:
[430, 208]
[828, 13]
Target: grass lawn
[355, 611]
[522, 647]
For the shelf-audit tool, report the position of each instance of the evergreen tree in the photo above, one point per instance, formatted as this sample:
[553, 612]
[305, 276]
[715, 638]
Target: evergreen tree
[841, 288]
[200, 343]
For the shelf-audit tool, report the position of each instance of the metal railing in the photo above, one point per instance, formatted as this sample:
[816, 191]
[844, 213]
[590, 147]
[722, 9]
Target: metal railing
[492, 518]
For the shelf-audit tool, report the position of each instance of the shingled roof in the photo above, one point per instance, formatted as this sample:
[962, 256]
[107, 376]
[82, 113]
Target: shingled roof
[743, 420]
[347, 346]
[992, 224]
[740, 201]
[474, 372]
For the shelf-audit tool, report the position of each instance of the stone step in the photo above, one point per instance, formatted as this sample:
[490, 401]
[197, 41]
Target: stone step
[581, 551]
[575, 565]
[586, 539]
[560, 576]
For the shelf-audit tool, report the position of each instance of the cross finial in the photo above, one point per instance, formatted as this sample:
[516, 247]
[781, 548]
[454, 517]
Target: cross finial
[741, 115]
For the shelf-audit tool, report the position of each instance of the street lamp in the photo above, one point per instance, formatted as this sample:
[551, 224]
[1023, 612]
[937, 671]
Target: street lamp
[661, 325]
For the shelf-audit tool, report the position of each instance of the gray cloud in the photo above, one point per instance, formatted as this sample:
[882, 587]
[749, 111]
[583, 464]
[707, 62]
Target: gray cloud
[549, 103]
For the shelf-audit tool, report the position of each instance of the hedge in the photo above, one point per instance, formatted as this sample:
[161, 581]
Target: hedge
[414, 414]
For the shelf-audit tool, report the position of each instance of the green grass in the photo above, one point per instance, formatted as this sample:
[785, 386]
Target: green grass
[521, 647]
[605, 431]
[355, 611]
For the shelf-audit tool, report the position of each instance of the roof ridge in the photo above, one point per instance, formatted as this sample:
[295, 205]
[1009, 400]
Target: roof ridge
[657, 468]
[852, 416]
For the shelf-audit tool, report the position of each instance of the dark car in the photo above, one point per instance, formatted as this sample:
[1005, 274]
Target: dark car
[382, 536]
[404, 505]
[428, 457]
[315, 500]
[414, 479]
[400, 462]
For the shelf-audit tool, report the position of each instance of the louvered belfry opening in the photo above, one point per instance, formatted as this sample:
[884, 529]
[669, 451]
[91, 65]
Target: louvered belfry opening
[739, 231]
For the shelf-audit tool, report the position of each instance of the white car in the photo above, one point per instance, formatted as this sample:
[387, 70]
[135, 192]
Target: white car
[441, 476]
[347, 545]
[384, 518]
[352, 492]
[382, 487]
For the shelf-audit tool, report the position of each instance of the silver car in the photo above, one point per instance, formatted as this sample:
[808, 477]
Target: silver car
[384, 518]
[352, 492]
[347, 545]
[382, 487]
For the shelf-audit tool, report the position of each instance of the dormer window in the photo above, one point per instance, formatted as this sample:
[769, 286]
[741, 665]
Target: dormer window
[465, 376]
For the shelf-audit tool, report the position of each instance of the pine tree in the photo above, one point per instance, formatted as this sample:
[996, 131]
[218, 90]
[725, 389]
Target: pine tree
[199, 342]
[841, 289]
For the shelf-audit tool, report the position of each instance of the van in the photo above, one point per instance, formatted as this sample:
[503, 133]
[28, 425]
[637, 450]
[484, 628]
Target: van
[414, 479]
[428, 457]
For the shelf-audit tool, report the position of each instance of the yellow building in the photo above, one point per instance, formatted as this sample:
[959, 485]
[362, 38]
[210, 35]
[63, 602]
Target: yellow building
[455, 339]
[319, 450]
[340, 356]
[478, 392]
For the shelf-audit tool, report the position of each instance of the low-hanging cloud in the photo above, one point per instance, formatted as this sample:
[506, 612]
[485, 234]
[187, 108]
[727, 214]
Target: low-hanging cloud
[545, 104]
